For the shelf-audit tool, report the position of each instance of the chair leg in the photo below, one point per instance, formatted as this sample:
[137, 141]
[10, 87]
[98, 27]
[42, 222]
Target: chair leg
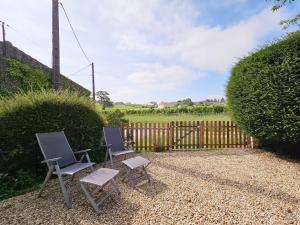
[111, 160]
[147, 175]
[90, 198]
[63, 187]
[105, 159]
[115, 187]
[46, 180]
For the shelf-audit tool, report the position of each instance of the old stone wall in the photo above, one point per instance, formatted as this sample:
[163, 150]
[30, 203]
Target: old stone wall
[14, 53]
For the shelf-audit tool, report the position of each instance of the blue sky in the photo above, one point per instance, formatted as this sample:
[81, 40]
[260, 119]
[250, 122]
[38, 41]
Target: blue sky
[148, 50]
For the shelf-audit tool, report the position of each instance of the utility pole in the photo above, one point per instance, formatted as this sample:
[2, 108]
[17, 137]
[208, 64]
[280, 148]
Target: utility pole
[93, 81]
[55, 46]
[4, 41]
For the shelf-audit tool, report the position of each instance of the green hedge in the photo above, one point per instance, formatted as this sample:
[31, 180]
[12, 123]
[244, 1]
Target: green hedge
[205, 109]
[24, 115]
[264, 93]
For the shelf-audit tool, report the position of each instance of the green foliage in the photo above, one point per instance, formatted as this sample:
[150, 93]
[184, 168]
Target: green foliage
[185, 102]
[29, 79]
[115, 118]
[204, 109]
[263, 92]
[23, 115]
[21, 183]
[103, 99]
[288, 22]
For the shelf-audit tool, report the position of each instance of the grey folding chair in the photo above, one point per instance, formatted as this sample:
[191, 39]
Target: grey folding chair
[114, 144]
[61, 160]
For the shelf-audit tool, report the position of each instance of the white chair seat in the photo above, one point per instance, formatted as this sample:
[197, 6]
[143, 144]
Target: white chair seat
[100, 177]
[74, 168]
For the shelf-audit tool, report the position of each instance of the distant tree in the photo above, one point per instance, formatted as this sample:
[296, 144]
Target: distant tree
[222, 100]
[119, 103]
[103, 99]
[286, 23]
[154, 104]
[185, 102]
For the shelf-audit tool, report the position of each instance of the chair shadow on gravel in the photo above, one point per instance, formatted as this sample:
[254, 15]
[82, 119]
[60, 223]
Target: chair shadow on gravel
[270, 193]
[151, 189]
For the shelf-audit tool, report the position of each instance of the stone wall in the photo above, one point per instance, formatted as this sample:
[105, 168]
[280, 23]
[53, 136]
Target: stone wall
[14, 53]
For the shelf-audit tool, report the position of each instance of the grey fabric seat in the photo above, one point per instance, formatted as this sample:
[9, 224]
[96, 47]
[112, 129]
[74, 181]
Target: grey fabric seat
[61, 160]
[114, 144]
[74, 168]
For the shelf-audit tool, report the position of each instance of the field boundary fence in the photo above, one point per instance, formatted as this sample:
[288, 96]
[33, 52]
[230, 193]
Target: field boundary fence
[186, 135]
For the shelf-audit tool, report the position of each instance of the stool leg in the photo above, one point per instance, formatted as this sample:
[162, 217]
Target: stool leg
[90, 198]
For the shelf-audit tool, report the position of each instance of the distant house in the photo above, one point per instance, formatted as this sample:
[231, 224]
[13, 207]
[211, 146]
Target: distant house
[163, 105]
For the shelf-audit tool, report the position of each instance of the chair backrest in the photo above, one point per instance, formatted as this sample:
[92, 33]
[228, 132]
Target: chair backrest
[113, 137]
[54, 145]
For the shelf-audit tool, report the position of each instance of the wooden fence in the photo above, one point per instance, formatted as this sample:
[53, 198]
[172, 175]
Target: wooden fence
[185, 135]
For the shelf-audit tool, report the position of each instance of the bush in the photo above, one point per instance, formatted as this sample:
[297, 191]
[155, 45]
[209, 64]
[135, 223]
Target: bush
[263, 93]
[115, 118]
[24, 115]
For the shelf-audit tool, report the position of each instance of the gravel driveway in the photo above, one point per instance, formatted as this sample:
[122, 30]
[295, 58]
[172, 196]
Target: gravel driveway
[215, 187]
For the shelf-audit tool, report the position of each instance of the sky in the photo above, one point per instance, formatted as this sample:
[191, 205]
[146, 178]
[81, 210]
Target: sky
[148, 50]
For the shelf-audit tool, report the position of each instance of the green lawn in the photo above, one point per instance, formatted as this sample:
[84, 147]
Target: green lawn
[162, 118]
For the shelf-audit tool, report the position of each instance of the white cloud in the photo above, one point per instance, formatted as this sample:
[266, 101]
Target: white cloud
[169, 31]
[156, 76]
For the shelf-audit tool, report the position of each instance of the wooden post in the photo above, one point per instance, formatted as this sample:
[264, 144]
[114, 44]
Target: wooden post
[55, 46]
[93, 82]
[4, 41]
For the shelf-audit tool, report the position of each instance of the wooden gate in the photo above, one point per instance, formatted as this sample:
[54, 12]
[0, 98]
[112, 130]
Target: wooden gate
[185, 135]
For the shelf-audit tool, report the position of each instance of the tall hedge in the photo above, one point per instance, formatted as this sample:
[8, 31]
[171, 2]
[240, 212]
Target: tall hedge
[24, 115]
[264, 93]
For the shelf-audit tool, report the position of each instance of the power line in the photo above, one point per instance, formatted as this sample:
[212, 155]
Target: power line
[81, 69]
[73, 31]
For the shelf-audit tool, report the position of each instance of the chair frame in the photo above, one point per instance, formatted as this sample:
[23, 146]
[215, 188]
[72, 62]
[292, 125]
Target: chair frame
[109, 153]
[54, 169]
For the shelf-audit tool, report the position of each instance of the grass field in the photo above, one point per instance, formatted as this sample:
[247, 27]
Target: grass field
[162, 118]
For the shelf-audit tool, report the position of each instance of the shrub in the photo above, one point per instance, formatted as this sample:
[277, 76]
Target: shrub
[24, 115]
[263, 92]
[115, 118]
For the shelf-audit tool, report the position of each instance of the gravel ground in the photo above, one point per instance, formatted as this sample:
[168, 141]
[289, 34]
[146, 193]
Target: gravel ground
[216, 187]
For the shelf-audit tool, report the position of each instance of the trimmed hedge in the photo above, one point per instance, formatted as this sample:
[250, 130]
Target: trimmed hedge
[264, 93]
[24, 115]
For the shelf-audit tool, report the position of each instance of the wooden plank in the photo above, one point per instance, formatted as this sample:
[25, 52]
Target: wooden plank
[171, 135]
[219, 133]
[195, 129]
[146, 136]
[188, 132]
[232, 133]
[215, 135]
[236, 136]
[240, 138]
[227, 133]
[198, 134]
[223, 134]
[177, 134]
[185, 140]
[158, 134]
[141, 130]
[211, 137]
[168, 135]
[206, 134]
[154, 134]
[150, 136]
[180, 134]
[127, 133]
[136, 136]
[163, 134]
[202, 129]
